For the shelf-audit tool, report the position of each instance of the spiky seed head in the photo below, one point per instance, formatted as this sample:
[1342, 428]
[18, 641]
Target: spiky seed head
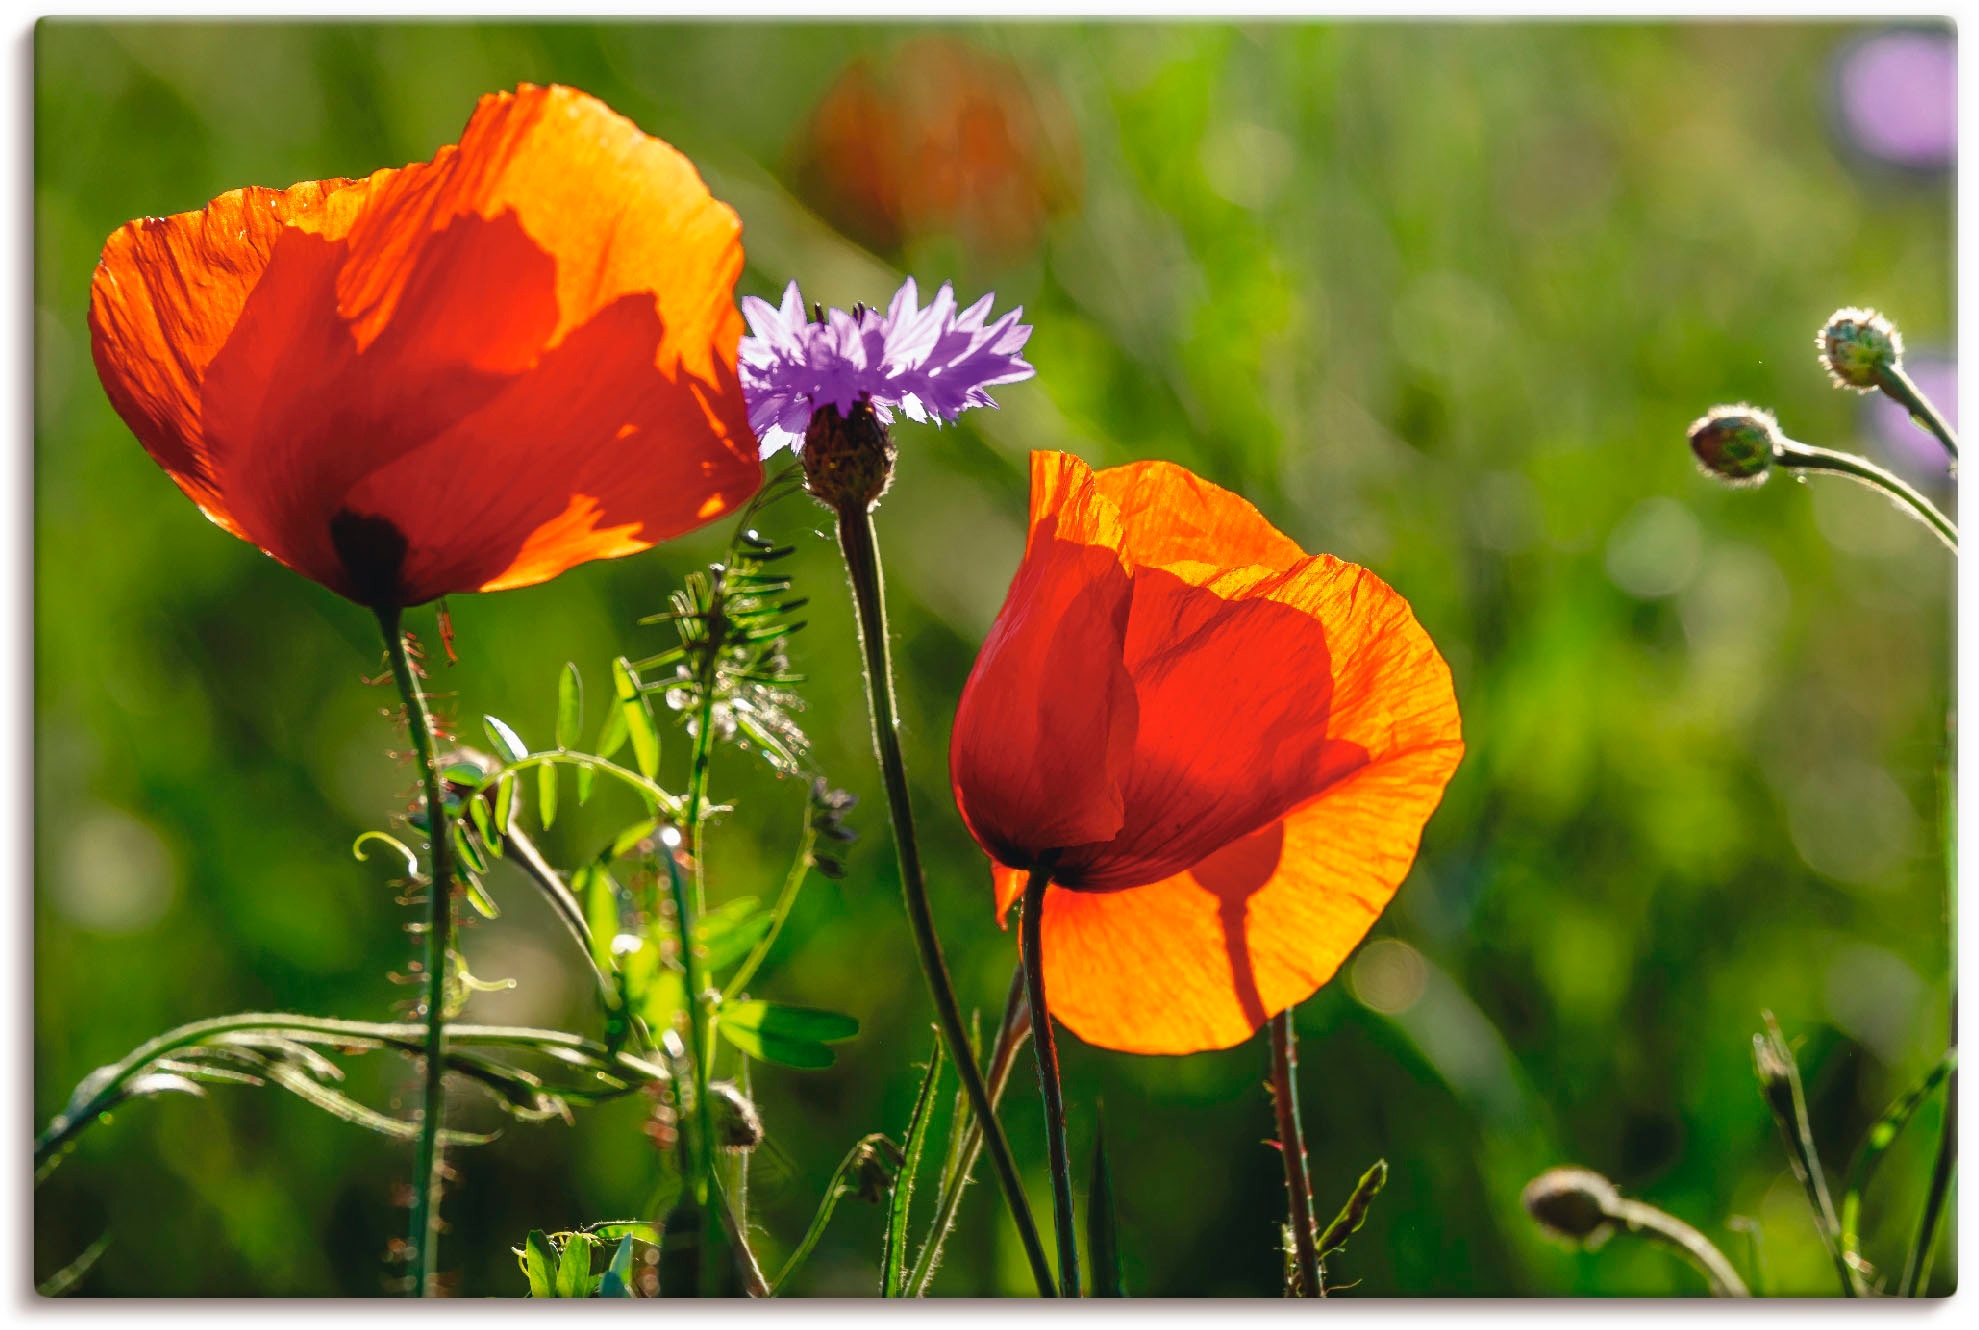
[1857, 347]
[1736, 444]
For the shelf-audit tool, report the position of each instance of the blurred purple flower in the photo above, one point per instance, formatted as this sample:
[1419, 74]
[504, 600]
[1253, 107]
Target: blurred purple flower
[1899, 98]
[932, 364]
[1913, 450]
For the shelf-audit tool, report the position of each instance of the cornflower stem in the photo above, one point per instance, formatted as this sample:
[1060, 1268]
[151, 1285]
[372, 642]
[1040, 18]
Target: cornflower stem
[426, 1161]
[1899, 388]
[860, 549]
[1641, 1217]
[1010, 1037]
[703, 1155]
[1807, 457]
[1292, 1144]
[1045, 1048]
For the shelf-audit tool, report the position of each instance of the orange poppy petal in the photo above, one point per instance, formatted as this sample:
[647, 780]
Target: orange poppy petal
[471, 373]
[1200, 960]
[1170, 515]
[1046, 720]
[617, 210]
[163, 301]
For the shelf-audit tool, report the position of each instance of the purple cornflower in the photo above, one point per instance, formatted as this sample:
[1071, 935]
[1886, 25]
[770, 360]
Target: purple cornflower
[933, 363]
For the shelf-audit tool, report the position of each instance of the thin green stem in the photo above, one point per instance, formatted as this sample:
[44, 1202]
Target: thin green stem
[800, 868]
[1807, 457]
[427, 1164]
[1016, 1028]
[703, 755]
[1292, 1144]
[1641, 1217]
[1045, 1049]
[835, 1190]
[1899, 388]
[703, 1126]
[1780, 1087]
[856, 542]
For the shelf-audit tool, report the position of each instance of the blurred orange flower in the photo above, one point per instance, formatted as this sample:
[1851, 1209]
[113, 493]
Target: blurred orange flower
[1223, 749]
[940, 138]
[461, 375]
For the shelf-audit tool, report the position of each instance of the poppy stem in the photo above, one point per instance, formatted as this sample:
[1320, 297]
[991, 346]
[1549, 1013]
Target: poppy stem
[1808, 457]
[1045, 1047]
[1292, 1144]
[860, 548]
[427, 1165]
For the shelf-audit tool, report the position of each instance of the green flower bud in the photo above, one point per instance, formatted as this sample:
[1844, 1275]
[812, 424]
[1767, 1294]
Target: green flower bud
[1575, 1204]
[848, 460]
[1857, 347]
[737, 1124]
[1736, 444]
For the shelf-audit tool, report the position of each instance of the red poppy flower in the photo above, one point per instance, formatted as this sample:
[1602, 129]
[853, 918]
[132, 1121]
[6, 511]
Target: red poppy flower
[1223, 748]
[461, 375]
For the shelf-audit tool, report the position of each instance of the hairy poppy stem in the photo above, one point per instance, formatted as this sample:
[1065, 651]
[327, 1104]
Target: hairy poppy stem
[1292, 1144]
[1808, 457]
[860, 548]
[1045, 1047]
[1899, 388]
[426, 1164]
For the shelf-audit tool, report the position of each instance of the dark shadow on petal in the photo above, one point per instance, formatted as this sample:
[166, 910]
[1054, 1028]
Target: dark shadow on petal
[1233, 875]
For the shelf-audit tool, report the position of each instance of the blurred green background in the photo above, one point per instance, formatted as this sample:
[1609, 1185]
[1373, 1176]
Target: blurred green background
[1439, 298]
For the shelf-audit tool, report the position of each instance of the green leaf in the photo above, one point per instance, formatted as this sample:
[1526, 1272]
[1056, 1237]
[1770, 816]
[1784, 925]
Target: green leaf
[574, 1270]
[1354, 1213]
[539, 1263]
[470, 857]
[506, 741]
[477, 896]
[570, 706]
[727, 933]
[638, 716]
[804, 1024]
[546, 793]
[798, 1055]
[477, 813]
[623, 843]
[1102, 1220]
[612, 737]
[893, 1257]
[617, 1281]
[585, 775]
[637, 1229]
[505, 804]
[592, 884]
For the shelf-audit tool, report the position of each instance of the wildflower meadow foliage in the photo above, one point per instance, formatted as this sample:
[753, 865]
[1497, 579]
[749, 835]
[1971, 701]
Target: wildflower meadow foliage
[1211, 766]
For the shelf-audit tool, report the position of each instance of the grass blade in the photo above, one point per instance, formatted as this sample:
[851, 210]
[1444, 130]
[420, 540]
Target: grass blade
[1102, 1221]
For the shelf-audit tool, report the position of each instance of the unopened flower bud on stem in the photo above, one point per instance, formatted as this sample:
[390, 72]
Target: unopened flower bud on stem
[1736, 444]
[1859, 348]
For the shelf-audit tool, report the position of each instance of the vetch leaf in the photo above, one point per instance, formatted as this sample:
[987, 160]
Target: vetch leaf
[539, 1263]
[546, 793]
[505, 803]
[617, 1280]
[805, 1024]
[612, 737]
[506, 741]
[570, 706]
[639, 726]
[727, 933]
[795, 1054]
[574, 1270]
